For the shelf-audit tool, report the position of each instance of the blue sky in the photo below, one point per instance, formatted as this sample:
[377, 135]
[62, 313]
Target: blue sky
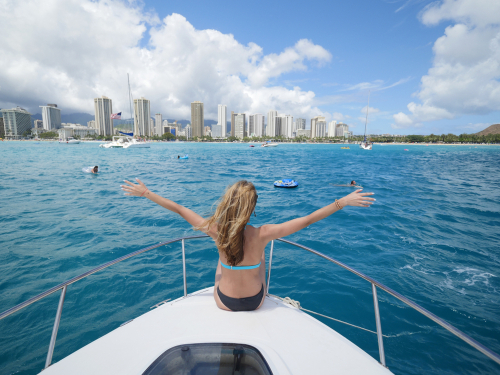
[432, 67]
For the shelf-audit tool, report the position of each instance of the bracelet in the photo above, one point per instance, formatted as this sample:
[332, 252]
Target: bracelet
[143, 192]
[337, 202]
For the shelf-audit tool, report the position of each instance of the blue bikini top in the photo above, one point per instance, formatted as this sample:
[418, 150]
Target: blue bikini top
[240, 267]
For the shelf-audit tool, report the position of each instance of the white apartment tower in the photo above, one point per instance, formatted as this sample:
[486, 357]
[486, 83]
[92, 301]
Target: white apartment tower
[103, 108]
[331, 128]
[158, 123]
[300, 123]
[51, 117]
[142, 115]
[189, 131]
[271, 123]
[286, 125]
[222, 119]
[256, 125]
[314, 122]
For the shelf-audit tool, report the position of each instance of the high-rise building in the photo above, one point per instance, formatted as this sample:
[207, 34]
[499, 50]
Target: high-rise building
[256, 125]
[232, 123]
[300, 123]
[207, 131]
[2, 128]
[314, 121]
[16, 122]
[331, 128]
[91, 124]
[158, 123]
[222, 119]
[240, 125]
[38, 124]
[341, 129]
[142, 117]
[103, 108]
[216, 131]
[51, 117]
[197, 120]
[321, 129]
[277, 126]
[286, 125]
[271, 124]
[151, 127]
[188, 131]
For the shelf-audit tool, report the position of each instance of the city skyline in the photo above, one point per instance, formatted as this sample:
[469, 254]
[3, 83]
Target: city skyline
[409, 54]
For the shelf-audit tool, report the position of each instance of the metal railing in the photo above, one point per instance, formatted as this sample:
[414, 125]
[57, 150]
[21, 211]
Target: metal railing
[374, 284]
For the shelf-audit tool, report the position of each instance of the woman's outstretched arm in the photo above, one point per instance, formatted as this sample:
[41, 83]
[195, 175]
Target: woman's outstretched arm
[141, 190]
[270, 232]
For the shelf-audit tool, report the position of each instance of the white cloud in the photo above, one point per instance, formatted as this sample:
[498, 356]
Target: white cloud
[464, 78]
[377, 85]
[371, 110]
[70, 51]
[337, 116]
[476, 12]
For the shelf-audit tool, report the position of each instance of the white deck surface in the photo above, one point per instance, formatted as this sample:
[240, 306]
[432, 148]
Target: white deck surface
[291, 341]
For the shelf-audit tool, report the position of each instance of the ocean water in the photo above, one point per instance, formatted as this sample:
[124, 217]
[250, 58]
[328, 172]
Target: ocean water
[433, 235]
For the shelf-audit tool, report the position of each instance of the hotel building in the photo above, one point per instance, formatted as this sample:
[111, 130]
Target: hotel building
[240, 125]
[197, 120]
[142, 117]
[222, 119]
[16, 122]
[103, 108]
[51, 117]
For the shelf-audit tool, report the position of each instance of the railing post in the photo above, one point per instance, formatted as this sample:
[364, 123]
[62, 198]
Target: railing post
[184, 268]
[52, 344]
[270, 263]
[379, 326]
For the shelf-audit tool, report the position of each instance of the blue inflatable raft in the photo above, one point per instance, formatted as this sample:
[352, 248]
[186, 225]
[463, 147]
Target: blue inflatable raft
[184, 157]
[286, 183]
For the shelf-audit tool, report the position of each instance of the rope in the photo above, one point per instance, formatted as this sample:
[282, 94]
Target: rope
[296, 304]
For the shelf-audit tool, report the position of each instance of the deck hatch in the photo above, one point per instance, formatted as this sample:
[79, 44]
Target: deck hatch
[210, 359]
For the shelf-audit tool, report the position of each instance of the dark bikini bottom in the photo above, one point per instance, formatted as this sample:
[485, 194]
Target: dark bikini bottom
[241, 304]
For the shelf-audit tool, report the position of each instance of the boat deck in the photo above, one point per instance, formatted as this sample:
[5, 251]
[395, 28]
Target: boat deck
[291, 341]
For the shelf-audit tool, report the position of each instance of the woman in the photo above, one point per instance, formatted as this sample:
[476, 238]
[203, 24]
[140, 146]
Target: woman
[240, 275]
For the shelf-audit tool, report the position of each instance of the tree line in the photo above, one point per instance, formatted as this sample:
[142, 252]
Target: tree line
[432, 138]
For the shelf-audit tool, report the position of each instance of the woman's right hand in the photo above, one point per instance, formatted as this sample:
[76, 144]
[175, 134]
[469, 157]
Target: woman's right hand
[133, 189]
[357, 199]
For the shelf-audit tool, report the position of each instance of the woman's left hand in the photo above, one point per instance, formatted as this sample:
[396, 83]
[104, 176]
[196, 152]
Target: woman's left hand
[133, 189]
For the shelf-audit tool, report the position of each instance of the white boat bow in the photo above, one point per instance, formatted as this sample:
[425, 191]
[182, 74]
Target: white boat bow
[290, 341]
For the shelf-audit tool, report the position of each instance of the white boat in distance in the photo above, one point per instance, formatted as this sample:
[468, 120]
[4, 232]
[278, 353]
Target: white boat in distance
[70, 141]
[269, 145]
[123, 141]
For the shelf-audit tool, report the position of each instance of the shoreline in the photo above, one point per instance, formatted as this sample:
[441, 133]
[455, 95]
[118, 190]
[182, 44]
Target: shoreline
[279, 143]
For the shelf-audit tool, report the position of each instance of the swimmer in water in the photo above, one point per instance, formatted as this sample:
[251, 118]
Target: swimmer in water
[178, 156]
[95, 169]
[353, 183]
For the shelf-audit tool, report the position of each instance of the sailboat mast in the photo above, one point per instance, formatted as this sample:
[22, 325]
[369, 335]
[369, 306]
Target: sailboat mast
[367, 107]
[130, 102]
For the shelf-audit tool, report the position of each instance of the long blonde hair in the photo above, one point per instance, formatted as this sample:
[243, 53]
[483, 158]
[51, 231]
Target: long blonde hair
[231, 216]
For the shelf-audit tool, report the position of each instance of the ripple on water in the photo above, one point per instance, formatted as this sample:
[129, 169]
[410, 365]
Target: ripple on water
[432, 235]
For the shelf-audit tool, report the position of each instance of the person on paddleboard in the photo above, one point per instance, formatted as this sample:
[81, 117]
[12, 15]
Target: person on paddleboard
[240, 276]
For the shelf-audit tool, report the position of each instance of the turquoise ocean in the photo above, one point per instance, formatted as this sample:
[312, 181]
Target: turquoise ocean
[433, 235]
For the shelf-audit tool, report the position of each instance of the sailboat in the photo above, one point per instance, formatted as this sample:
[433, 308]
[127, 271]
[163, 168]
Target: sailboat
[366, 145]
